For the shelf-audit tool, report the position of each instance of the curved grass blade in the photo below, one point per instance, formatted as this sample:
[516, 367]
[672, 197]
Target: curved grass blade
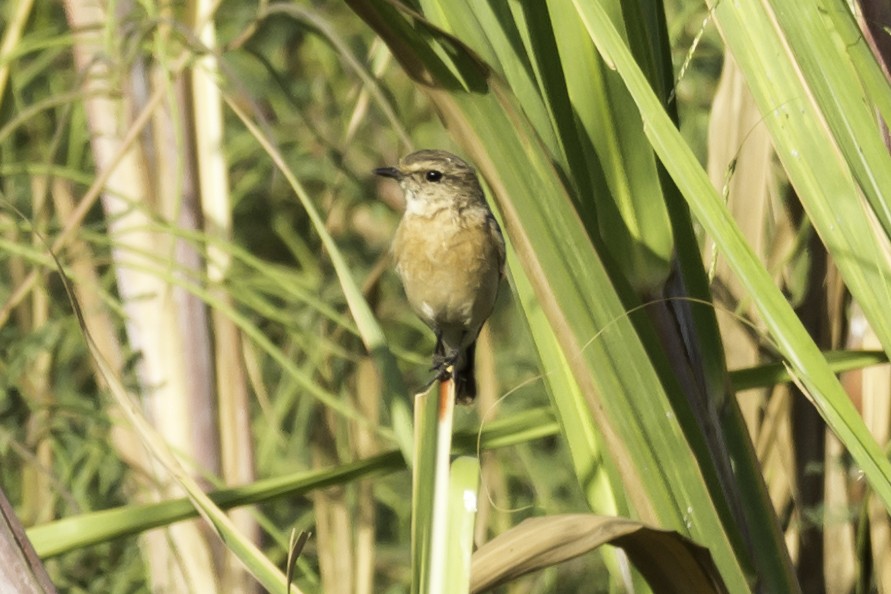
[670, 562]
[804, 358]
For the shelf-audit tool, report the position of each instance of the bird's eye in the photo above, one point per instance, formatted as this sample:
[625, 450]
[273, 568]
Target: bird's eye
[433, 175]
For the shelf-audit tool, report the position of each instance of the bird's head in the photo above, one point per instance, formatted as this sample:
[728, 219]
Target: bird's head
[433, 180]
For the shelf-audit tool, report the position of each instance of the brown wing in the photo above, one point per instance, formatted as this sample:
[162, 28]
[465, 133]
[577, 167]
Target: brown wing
[498, 240]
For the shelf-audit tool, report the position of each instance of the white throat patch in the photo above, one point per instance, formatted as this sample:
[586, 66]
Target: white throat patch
[414, 205]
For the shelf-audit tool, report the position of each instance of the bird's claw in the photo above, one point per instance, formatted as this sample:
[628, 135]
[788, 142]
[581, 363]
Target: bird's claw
[441, 364]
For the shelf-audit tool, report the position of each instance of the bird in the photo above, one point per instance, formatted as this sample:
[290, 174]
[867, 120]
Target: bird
[449, 253]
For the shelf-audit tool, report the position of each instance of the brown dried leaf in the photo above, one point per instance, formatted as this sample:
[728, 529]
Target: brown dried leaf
[670, 562]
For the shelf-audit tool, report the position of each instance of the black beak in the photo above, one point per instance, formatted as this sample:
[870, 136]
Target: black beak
[388, 172]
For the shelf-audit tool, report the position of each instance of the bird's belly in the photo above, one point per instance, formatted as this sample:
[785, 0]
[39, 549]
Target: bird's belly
[450, 276]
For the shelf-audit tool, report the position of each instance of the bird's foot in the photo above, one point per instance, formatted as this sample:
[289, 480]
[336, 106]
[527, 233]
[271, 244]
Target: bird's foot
[441, 364]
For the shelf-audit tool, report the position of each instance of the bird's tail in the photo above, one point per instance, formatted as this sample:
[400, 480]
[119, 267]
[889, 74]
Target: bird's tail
[465, 377]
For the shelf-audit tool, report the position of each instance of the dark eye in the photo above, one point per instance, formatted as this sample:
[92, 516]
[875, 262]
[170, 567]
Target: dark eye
[433, 175]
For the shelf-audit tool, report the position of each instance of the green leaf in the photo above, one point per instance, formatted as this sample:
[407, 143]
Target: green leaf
[73, 532]
[804, 358]
[464, 483]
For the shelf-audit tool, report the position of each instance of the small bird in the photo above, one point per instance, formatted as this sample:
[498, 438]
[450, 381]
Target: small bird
[449, 253]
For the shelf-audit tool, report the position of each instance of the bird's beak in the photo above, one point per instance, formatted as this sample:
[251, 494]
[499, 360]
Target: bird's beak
[389, 172]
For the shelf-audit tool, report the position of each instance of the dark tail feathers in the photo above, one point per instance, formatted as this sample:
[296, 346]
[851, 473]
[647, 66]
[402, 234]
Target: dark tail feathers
[465, 377]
